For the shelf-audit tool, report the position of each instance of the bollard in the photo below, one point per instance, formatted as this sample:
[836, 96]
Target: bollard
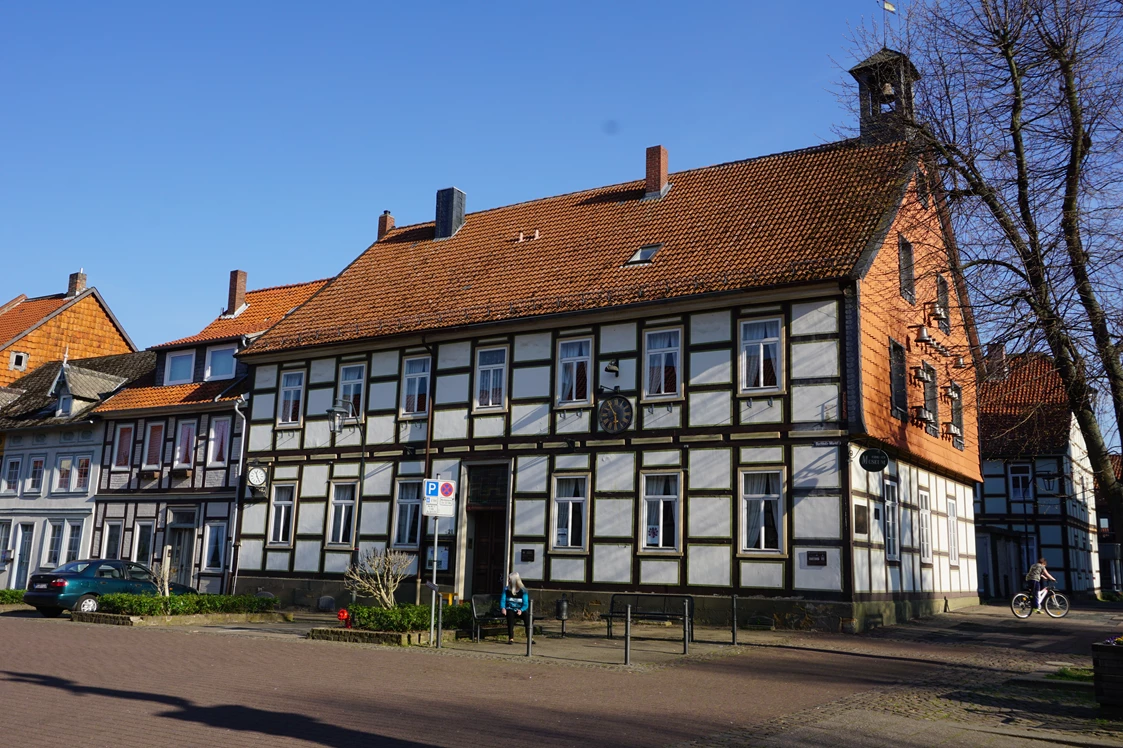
[628, 636]
[440, 619]
[686, 627]
[734, 620]
[530, 629]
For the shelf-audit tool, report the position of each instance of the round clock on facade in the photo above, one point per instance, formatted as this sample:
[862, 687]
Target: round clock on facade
[615, 414]
[256, 477]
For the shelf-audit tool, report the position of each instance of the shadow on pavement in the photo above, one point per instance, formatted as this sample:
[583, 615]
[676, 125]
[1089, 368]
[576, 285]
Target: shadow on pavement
[226, 716]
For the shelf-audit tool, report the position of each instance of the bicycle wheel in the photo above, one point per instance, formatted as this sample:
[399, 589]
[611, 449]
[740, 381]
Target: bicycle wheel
[1021, 606]
[1056, 605]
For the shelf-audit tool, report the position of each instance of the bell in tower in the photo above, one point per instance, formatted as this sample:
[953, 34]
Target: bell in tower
[885, 95]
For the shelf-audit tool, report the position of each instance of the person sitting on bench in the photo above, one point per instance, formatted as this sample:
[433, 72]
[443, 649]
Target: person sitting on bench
[515, 603]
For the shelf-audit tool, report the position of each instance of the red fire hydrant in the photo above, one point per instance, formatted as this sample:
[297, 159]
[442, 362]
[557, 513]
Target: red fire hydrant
[344, 617]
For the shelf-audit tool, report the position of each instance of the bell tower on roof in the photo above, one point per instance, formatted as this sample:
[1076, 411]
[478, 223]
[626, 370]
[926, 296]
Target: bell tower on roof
[885, 95]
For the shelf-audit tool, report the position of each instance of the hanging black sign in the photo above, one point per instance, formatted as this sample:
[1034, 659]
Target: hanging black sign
[874, 460]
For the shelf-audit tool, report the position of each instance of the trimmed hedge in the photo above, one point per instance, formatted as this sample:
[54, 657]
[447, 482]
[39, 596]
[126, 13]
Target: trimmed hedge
[11, 597]
[408, 617]
[183, 605]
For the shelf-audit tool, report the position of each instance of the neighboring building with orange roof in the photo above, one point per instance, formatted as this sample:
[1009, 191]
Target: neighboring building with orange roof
[172, 451]
[78, 324]
[665, 385]
[1037, 498]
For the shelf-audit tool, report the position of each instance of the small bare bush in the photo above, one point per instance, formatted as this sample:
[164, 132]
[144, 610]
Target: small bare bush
[377, 574]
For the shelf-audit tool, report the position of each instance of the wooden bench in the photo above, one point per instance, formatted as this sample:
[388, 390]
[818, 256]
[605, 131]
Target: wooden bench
[485, 609]
[651, 608]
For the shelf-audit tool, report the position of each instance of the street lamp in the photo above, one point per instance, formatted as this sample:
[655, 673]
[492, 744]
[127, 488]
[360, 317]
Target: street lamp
[339, 413]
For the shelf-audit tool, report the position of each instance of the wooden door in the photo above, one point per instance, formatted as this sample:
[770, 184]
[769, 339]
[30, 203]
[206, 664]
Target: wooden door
[488, 542]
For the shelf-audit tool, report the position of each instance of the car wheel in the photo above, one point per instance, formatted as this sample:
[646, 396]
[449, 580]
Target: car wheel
[50, 612]
[86, 604]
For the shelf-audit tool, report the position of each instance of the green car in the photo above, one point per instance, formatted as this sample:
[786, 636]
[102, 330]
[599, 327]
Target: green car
[78, 585]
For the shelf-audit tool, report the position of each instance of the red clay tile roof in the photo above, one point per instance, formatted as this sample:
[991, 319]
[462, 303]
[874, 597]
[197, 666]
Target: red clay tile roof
[145, 394]
[22, 315]
[1026, 412]
[791, 217]
[263, 309]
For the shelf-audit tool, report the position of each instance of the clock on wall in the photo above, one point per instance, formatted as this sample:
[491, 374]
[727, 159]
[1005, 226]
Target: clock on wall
[615, 414]
[256, 477]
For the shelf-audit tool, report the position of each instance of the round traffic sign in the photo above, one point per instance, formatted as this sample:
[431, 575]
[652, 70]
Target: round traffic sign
[874, 460]
[447, 489]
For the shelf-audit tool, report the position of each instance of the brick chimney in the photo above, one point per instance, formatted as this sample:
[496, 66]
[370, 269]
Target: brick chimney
[237, 298]
[385, 224]
[77, 284]
[995, 366]
[450, 212]
[656, 172]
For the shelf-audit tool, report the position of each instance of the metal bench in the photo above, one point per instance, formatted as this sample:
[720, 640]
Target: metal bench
[485, 609]
[651, 608]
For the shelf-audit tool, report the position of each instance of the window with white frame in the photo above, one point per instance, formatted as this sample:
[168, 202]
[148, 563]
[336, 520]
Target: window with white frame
[931, 399]
[220, 362]
[64, 472]
[953, 533]
[762, 500]
[407, 514]
[185, 444]
[491, 378]
[415, 386]
[570, 500]
[943, 304]
[761, 367]
[925, 527]
[898, 381]
[111, 543]
[35, 470]
[351, 380]
[54, 543]
[906, 263]
[1021, 486]
[72, 473]
[65, 405]
[892, 522]
[81, 473]
[291, 400]
[218, 441]
[214, 546]
[662, 352]
[179, 368]
[9, 481]
[660, 500]
[342, 513]
[283, 504]
[143, 534]
[955, 393]
[123, 447]
[153, 446]
[17, 361]
[574, 363]
[5, 534]
[73, 541]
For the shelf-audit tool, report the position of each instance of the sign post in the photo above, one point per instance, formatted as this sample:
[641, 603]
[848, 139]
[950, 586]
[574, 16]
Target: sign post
[439, 501]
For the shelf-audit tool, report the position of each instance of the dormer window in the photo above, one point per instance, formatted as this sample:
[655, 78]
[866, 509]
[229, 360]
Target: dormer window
[220, 362]
[179, 368]
[65, 404]
[644, 254]
[17, 361]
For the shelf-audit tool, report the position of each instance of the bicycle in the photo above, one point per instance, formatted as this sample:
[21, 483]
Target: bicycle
[1055, 604]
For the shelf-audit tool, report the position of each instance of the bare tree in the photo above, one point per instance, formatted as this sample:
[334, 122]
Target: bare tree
[377, 574]
[1019, 109]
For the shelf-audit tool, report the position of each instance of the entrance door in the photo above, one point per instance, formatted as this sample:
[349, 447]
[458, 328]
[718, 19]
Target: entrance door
[183, 554]
[487, 501]
[23, 556]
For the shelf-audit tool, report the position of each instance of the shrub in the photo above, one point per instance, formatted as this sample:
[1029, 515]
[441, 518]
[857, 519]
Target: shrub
[408, 617]
[183, 605]
[11, 597]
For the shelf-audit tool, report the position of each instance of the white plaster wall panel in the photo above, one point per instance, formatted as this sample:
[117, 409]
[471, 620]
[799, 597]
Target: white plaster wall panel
[927, 578]
[895, 577]
[307, 557]
[827, 577]
[815, 359]
[658, 571]
[310, 517]
[877, 570]
[762, 455]
[817, 517]
[815, 467]
[336, 563]
[565, 569]
[763, 574]
[261, 438]
[352, 436]
[661, 416]
[253, 518]
[265, 377]
[531, 472]
[709, 327]
[858, 474]
[317, 434]
[616, 472]
[277, 560]
[412, 431]
[319, 400]
[613, 518]
[380, 429]
[762, 410]
[710, 468]
[454, 355]
[530, 517]
[618, 338]
[533, 347]
[531, 381]
[571, 462]
[450, 424]
[375, 519]
[285, 472]
[451, 388]
[861, 570]
[411, 467]
[907, 525]
[263, 406]
[530, 420]
[448, 470]
[314, 481]
[711, 408]
[345, 470]
[875, 486]
[923, 478]
[384, 364]
[662, 457]
[287, 438]
[814, 318]
[709, 565]
[372, 546]
[531, 571]
[994, 467]
[709, 516]
[910, 566]
[573, 421]
[815, 403]
[711, 367]
[625, 379]
[322, 370]
[249, 558]
[612, 563]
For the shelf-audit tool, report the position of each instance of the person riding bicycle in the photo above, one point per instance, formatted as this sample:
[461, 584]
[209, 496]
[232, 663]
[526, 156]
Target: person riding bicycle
[1036, 572]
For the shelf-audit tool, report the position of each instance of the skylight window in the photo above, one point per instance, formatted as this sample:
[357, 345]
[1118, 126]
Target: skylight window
[644, 254]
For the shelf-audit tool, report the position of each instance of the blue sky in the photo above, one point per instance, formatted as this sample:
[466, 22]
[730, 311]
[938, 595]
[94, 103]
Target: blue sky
[160, 146]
